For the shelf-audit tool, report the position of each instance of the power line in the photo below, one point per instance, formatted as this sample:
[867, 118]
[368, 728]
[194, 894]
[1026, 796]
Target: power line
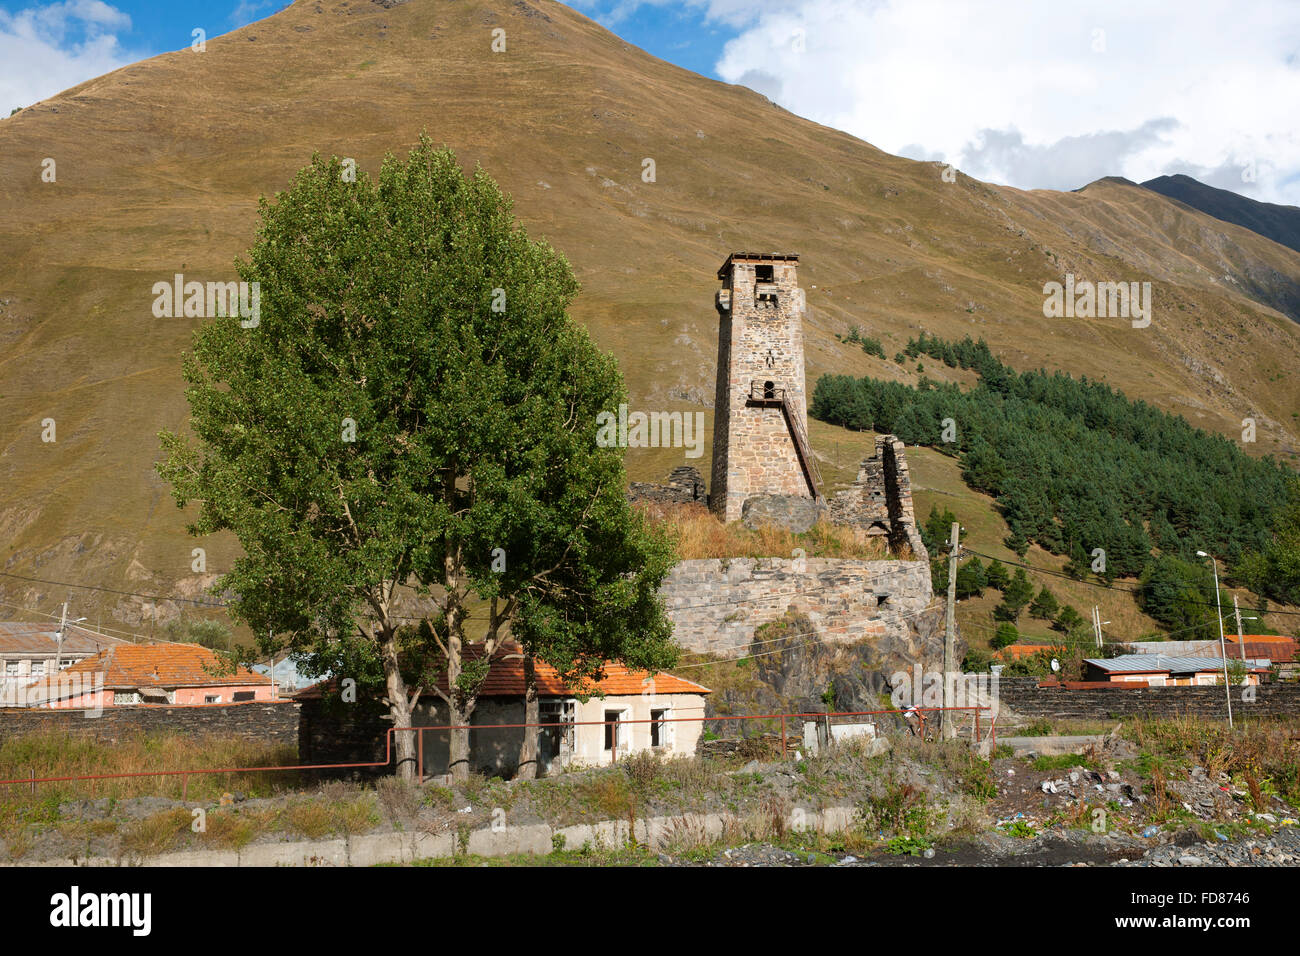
[1094, 584]
[93, 587]
[98, 629]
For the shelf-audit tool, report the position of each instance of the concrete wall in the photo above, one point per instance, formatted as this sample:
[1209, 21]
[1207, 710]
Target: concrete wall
[1023, 696]
[716, 605]
[682, 736]
[658, 833]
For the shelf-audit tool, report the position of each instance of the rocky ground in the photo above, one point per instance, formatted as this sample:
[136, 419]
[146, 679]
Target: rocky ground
[1064, 848]
[912, 803]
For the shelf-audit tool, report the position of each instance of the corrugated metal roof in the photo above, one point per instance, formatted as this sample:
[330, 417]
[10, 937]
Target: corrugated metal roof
[1283, 649]
[23, 637]
[1143, 663]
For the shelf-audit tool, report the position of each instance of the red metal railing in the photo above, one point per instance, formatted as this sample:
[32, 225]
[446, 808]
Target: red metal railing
[420, 732]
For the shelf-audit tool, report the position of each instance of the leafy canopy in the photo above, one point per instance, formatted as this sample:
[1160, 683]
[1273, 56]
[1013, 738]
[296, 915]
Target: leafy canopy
[415, 409]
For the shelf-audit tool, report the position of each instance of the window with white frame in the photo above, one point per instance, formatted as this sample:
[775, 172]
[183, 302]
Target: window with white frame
[11, 668]
[38, 668]
[615, 730]
[660, 728]
[125, 698]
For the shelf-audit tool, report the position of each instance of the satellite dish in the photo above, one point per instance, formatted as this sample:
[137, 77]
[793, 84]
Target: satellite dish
[1056, 665]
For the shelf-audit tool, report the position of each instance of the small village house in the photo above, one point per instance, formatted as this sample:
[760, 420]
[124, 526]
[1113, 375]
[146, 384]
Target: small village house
[1160, 670]
[628, 711]
[29, 652]
[162, 673]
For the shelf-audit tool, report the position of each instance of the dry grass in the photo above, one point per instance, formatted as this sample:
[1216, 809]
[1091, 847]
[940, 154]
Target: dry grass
[1264, 756]
[56, 754]
[157, 833]
[608, 795]
[235, 829]
[400, 799]
[697, 533]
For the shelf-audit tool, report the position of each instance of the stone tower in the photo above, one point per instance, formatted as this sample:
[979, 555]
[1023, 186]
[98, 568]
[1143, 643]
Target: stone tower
[760, 429]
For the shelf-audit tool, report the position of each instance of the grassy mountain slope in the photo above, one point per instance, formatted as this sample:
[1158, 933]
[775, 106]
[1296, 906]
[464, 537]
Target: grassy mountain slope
[1273, 221]
[160, 166]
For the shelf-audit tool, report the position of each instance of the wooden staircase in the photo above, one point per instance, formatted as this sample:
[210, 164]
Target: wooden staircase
[795, 423]
[772, 397]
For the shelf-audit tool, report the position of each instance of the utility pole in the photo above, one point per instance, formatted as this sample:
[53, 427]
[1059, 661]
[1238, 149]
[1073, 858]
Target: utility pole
[1218, 610]
[63, 623]
[1241, 640]
[1236, 612]
[950, 637]
[1096, 623]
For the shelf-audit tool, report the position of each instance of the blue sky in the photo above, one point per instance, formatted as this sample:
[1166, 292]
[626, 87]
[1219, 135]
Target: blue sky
[1023, 92]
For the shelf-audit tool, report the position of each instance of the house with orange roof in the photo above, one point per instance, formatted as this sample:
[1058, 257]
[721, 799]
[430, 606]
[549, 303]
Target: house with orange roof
[625, 711]
[135, 674]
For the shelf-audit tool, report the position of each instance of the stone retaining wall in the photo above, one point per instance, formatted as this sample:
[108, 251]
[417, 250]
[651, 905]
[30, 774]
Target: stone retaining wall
[272, 722]
[1023, 696]
[716, 605]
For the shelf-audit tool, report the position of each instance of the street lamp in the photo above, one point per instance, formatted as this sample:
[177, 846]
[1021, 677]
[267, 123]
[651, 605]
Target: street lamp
[1218, 609]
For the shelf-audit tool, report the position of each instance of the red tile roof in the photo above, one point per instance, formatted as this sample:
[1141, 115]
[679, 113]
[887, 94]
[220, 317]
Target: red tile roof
[506, 679]
[129, 666]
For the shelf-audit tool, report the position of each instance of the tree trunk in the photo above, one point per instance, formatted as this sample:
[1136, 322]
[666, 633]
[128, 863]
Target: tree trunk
[399, 709]
[458, 759]
[528, 747]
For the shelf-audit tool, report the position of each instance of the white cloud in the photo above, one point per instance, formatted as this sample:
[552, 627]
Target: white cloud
[47, 49]
[246, 11]
[1040, 95]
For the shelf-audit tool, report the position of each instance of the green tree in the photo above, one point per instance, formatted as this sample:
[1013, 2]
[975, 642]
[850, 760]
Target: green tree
[414, 414]
[996, 575]
[1018, 593]
[1068, 619]
[1045, 607]
[937, 530]
[971, 579]
[1275, 570]
[209, 633]
[976, 660]
[1006, 635]
[1177, 593]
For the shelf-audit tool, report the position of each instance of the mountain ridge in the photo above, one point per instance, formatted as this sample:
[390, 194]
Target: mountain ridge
[160, 165]
[1271, 220]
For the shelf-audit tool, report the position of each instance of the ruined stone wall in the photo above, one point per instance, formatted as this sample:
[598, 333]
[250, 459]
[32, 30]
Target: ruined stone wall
[685, 485]
[880, 499]
[716, 605]
[760, 339]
